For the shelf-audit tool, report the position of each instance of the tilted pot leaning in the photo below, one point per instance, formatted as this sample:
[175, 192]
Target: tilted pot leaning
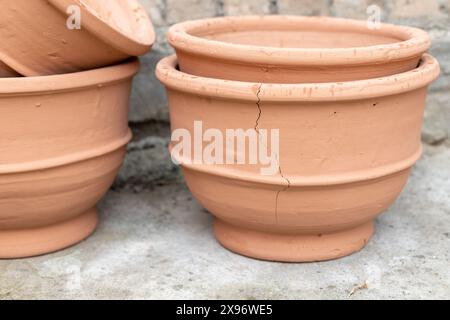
[292, 49]
[45, 37]
[345, 154]
[62, 141]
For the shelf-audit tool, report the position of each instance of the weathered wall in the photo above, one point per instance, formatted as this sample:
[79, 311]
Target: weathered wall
[148, 159]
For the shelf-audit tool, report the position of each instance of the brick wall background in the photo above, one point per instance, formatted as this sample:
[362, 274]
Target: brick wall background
[148, 161]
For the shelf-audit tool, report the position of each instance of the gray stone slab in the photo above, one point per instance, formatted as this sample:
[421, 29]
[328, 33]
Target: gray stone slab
[159, 244]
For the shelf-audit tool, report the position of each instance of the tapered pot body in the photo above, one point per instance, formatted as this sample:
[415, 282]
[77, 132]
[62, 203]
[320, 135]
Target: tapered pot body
[42, 37]
[62, 141]
[342, 156]
[289, 49]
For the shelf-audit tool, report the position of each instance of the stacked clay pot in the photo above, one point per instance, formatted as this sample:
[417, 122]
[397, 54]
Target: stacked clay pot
[63, 115]
[348, 101]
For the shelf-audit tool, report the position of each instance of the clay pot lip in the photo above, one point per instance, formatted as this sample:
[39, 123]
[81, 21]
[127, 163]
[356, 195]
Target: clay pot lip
[135, 44]
[359, 176]
[69, 81]
[417, 42]
[68, 159]
[423, 75]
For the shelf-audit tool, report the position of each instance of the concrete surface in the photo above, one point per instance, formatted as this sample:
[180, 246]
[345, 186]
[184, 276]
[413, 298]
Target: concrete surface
[158, 244]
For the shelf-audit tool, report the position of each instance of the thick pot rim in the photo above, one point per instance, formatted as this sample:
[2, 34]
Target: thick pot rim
[69, 81]
[415, 44]
[423, 75]
[134, 44]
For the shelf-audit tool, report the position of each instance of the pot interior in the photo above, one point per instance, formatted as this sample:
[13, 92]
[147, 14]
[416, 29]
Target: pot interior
[122, 15]
[299, 34]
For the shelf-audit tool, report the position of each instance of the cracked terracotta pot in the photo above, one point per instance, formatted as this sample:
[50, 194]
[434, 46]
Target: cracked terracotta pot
[35, 39]
[62, 141]
[345, 153]
[289, 49]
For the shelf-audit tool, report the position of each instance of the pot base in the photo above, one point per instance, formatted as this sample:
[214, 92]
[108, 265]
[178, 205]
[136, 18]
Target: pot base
[34, 242]
[292, 248]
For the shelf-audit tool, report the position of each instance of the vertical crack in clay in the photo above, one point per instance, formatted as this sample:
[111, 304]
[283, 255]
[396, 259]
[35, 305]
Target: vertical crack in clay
[258, 104]
[280, 191]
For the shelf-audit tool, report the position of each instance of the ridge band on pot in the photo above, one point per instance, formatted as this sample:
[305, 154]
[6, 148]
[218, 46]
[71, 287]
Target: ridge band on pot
[305, 181]
[67, 159]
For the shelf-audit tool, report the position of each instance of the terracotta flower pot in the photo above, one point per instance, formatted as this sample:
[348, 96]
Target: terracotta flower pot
[289, 49]
[345, 153]
[35, 39]
[62, 141]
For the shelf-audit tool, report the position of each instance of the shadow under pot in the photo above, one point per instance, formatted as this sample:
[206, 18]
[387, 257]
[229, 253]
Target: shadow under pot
[7, 72]
[292, 49]
[45, 37]
[62, 141]
[339, 155]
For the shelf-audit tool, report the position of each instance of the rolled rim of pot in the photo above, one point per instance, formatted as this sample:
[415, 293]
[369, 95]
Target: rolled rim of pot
[69, 81]
[123, 24]
[427, 71]
[194, 37]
